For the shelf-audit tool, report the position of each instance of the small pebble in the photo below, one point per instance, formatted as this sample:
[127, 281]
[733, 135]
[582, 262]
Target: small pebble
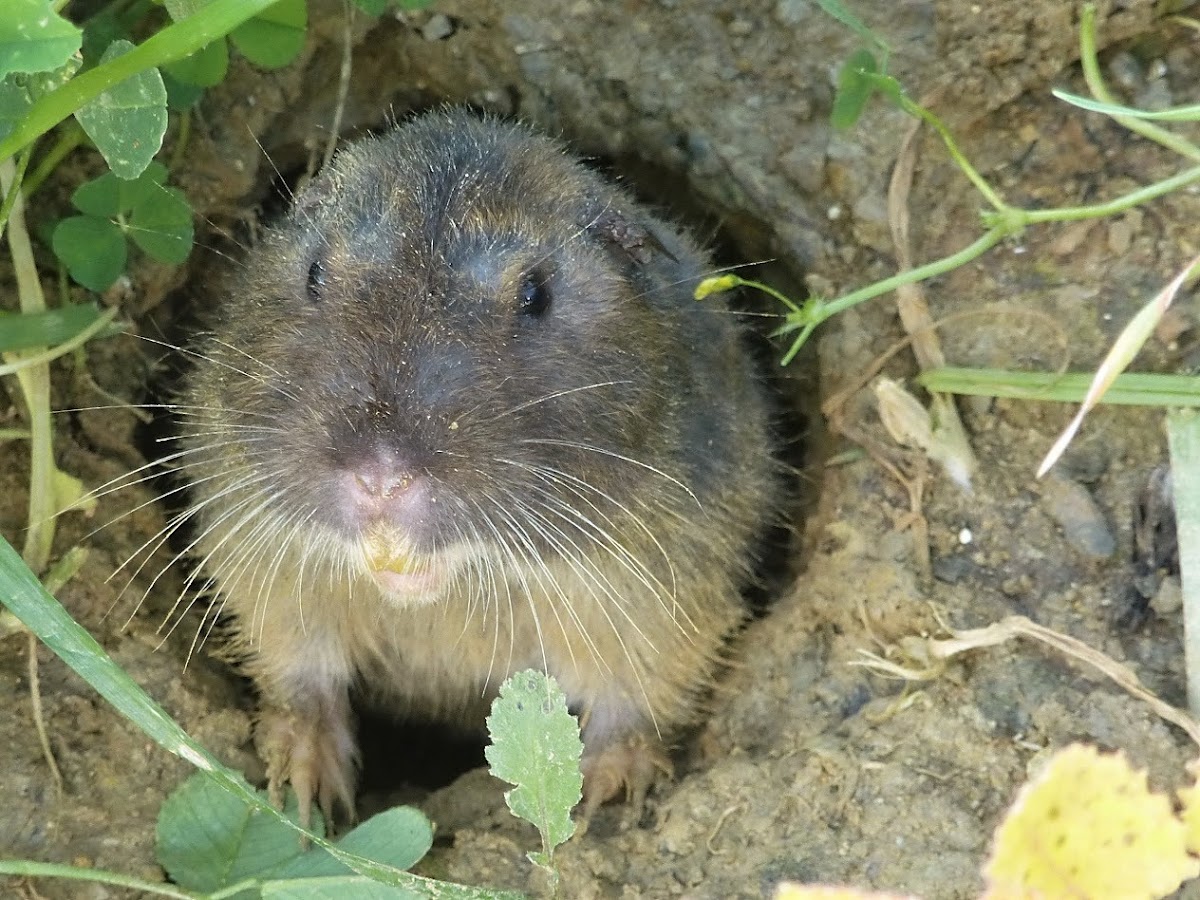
[1168, 598]
[952, 569]
[740, 27]
[792, 12]
[1072, 506]
[1120, 236]
[437, 28]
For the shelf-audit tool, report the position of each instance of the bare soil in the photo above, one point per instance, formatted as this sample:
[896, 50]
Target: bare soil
[811, 768]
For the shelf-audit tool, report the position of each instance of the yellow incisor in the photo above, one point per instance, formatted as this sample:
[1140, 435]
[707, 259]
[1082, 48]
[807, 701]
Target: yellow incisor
[387, 550]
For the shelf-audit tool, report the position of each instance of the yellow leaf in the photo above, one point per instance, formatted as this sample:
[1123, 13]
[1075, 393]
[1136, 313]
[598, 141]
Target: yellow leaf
[1089, 827]
[1190, 799]
[790, 891]
[69, 494]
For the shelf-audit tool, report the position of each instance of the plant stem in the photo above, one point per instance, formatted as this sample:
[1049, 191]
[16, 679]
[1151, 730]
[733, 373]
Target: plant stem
[1095, 83]
[981, 184]
[1002, 222]
[812, 315]
[30, 869]
[35, 385]
[13, 191]
[981, 245]
[172, 43]
[1120, 204]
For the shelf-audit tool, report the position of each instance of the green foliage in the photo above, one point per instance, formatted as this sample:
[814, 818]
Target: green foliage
[372, 7]
[270, 39]
[122, 96]
[34, 38]
[536, 746]
[127, 122]
[100, 31]
[209, 840]
[93, 250]
[197, 24]
[275, 36]
[19, 91]
[853, 89]
[865, 75]
[121, 99]
[204, 68]
[155, 217]
[19, 331]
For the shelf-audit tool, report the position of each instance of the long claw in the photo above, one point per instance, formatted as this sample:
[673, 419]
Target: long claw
[314, 750]
[632, 765]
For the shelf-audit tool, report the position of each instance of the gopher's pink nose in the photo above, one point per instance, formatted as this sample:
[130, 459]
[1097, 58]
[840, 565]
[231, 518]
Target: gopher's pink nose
[383, 488]
[380, 483]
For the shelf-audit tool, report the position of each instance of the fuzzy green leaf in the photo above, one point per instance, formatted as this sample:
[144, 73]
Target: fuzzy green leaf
[162, 226]
[92, 249]
[127, 122]
[34, 38]
[275, 36]
[536, 746]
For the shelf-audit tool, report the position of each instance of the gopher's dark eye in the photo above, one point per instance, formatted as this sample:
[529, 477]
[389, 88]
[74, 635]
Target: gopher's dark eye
[316, 280]
[533, 294]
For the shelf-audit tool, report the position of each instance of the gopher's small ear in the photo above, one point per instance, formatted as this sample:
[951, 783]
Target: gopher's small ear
[637, 242]
[312, 191]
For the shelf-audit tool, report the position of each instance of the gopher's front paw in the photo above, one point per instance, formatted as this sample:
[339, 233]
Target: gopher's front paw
[631, 764]
[314, 749]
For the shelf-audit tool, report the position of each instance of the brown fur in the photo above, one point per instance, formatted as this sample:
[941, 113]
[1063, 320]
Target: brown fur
[600, 472]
